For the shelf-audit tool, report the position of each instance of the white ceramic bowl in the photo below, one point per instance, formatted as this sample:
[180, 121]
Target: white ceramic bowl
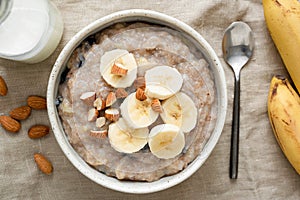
[59, 66]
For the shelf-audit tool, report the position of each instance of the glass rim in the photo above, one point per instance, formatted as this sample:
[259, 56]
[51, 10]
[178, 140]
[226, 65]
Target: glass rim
[5, 8]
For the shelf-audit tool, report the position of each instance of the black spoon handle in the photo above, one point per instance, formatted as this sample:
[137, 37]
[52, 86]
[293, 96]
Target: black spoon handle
[234, 148]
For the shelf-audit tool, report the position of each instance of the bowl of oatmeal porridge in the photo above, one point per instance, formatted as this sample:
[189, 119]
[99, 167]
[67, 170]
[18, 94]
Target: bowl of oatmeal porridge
[137, 101]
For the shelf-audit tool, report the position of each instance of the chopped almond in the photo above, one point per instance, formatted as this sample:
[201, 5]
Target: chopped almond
[156, 106]
[110, 99]
[88, 98]
[140, 94]
[121, 93]
[100, 122]
[92, 115]
[118, 69]
[140, 82]
[112, 114]
[99, 134]
[99, 103]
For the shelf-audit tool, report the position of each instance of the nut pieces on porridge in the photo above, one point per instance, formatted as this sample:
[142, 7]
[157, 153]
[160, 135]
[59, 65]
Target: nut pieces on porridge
[139, 110]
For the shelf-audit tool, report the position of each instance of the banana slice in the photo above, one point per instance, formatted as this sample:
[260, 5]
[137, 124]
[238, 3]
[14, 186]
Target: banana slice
[138, 114]
[166, 141]
[181, 111]
[162, 82]
[124, 59]
[126, 140]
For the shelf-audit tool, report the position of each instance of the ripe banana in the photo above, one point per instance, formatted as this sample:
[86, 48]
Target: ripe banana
[125, 61]
[283, 21]
[181, 111]
[162, 82]
[166, 141]
[138, 114]
[125, 139]
[284, 115]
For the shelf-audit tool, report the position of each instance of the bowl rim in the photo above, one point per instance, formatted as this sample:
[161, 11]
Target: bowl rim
[61, 138]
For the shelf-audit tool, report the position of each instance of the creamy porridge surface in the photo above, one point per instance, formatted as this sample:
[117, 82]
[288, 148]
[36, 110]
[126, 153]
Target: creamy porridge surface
[151, 45]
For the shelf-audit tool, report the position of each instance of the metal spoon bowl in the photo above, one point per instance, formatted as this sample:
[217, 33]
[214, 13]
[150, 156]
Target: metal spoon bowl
[237, 45]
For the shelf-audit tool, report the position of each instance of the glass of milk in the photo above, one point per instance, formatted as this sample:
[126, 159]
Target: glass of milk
[30, 30]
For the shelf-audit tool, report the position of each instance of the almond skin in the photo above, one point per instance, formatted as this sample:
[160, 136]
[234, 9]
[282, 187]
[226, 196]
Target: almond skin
[118, 69]
[43, 164]
[37, 102]
[99, 134]
[3, 87]
[140, 94]
[10, 124]
[121, 93]
[38, 131]
[140, 82]
[156, 105]
[20, 113]
[110, 99]
[88, 98]
[112, 114]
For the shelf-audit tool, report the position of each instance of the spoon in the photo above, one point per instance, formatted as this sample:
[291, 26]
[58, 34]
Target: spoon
[237, 45]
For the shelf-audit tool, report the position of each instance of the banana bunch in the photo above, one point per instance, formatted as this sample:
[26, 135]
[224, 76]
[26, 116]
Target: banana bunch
[283, 21]
[284, 115]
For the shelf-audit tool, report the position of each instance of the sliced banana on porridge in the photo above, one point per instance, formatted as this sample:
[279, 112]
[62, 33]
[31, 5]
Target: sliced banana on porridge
[118, 68]
[162, 82]
[166, 141]
[125, 139]
[181, 111]
[137, 113]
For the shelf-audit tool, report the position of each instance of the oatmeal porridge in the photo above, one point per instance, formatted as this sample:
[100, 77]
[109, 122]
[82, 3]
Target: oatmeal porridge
[98, 99]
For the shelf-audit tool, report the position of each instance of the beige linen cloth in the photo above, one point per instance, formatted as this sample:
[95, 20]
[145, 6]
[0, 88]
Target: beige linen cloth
[264, 172]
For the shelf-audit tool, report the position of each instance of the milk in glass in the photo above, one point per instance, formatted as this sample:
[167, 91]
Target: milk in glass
[30, 30]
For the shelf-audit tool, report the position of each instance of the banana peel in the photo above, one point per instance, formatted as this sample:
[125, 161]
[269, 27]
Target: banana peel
[284, 116]
[283, 21]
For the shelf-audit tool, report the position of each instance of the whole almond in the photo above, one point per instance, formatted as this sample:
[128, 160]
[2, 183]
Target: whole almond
[37, 102]
[43, 164]
[3, 87]
[20, 113]
[38, 131]
[10, 124]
